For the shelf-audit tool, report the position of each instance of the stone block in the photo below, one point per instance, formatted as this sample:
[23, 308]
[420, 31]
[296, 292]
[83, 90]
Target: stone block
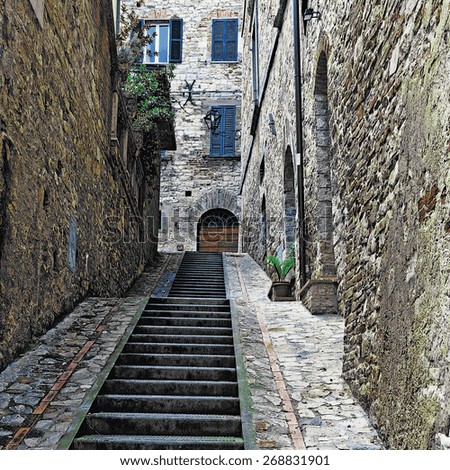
[319, 296]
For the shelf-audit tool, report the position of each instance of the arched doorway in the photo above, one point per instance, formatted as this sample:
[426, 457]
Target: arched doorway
[217, 232]
[324, 212]
[289, 200]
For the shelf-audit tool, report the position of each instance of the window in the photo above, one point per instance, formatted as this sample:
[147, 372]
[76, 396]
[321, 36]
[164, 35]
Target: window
[167, 41]
[262, 171]
[223, 139]
[225, 40]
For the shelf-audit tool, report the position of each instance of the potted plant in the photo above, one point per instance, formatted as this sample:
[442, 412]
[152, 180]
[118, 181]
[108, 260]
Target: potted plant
[281, 287]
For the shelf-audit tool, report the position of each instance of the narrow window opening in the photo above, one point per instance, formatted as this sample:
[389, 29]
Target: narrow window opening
[262, 171]
[290, 210]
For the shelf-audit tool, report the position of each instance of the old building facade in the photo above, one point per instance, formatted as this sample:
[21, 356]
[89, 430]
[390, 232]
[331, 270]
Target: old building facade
[200, 179]
[346, 150]
[75, 191]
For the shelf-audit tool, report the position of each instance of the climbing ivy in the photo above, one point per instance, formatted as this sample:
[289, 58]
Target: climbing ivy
[148, 92]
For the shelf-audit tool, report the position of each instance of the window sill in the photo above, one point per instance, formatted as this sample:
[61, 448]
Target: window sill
[224, 61]
[223, 157]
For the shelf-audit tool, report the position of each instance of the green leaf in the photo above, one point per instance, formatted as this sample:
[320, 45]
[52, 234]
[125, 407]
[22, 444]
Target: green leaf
[282, 269]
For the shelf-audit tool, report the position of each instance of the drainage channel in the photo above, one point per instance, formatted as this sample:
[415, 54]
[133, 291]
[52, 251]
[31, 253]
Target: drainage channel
[174, 384]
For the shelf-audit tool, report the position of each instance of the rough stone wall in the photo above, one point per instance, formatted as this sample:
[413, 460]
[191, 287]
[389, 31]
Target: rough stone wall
[266, 151]
[58, 168]
[212, 182]
[387, 67]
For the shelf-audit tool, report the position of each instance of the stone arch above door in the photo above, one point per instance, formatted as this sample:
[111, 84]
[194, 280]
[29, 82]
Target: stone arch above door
[215, 199]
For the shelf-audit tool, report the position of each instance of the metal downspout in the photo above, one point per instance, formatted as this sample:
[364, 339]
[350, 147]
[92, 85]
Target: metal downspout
[299, 144]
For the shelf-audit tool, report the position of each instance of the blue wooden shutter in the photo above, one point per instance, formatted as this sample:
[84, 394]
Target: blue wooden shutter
[217, 40]
[223, 140]
[224, 40]
[229, 130]
[176, 40]
[231, 40]
[217, 138]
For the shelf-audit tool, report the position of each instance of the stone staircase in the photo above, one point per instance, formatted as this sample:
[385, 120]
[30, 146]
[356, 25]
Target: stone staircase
[174, 385]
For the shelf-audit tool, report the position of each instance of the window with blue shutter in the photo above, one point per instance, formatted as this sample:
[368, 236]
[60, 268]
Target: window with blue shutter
[176, 40]
[223, 140]
[225, 40]
[167, 41]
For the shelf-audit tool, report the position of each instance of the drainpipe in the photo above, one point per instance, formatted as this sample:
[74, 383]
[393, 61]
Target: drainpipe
[299, 143]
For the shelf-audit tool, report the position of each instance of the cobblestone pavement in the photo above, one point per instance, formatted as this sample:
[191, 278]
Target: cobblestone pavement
[43, 391]
[308, 352]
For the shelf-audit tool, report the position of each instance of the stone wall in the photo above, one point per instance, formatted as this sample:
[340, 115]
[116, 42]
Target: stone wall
[73, 202]
[190, 177]
[268, 152]
[376, 158]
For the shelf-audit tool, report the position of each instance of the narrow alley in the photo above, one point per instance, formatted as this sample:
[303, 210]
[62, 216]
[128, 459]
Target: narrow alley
[225, 226]
[293, 363]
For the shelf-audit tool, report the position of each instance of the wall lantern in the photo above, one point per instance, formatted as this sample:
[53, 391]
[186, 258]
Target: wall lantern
[212, 120]
[309, 14]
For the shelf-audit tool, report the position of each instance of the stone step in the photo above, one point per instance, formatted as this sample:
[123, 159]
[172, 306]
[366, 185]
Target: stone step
[212, 268]
[166, 404]
[169, 387]
[223, 374]
[185, 289]
[185, 321]
[164, 424]
[194, 267]
[192, 291]
[197, 288]
[186, 307]
[185, 313]
[199, 295]
[204, 275]
[195, 272]
[131, 442]
[199, 273]
[119, 442]
[169, 300]
[200, 270]
[190, 284]
[197, 339]
[188, 291]
[183, 330]
[174, 385]
[179, 348]
[177, 360]
[202, 261]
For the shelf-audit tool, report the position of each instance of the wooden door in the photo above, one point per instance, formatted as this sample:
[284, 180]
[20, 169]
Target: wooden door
[218, 239]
